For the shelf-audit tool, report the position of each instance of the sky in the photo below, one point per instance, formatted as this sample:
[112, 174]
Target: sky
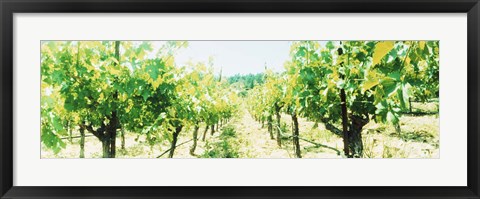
[237, 57]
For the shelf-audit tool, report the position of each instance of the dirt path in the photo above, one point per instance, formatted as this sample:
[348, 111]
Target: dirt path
[255, 141]
[250, 140]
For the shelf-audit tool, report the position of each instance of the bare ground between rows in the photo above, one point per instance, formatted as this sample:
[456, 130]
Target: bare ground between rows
[419, 139]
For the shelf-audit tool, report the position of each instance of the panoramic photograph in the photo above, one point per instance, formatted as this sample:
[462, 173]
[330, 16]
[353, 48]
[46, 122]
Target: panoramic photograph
[240, 99]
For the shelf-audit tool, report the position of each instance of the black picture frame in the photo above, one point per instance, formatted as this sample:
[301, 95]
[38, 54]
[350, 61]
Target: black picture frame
[10, 7]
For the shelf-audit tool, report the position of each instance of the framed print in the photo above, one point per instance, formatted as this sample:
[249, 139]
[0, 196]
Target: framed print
[265, 99]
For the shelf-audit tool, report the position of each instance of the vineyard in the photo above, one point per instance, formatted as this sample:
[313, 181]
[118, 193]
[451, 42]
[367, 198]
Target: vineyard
[335, 99]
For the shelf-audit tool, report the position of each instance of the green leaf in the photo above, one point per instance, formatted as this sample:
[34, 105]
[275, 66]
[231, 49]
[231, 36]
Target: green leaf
[301, 52]
[393, 54]
[330, 45]
[69, 103]
[389, 85]
[130, 88]
[57, 76]
[326, 56]
[361, 56]
[153, 68]
[395, 76]
[401, 99]
[378, 95]
[57, 124]
[381, 107]
[145, 46]
[381, 111]
[51, 140]
[403, 95]
[392, 118]
[145, 95]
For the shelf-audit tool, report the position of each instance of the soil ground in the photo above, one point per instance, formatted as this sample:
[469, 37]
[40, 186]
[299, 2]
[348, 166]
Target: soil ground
[243, 137]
